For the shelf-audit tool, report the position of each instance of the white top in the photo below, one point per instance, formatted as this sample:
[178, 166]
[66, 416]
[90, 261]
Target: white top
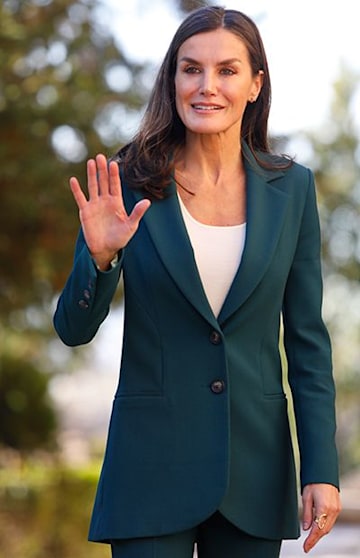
[218, 251]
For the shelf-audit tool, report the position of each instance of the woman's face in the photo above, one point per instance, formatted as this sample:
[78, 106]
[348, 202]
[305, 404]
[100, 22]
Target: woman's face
[214, 82]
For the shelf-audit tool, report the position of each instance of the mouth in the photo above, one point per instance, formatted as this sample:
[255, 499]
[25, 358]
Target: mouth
[206, 108]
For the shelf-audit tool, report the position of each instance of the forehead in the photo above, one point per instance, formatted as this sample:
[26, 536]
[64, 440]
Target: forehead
[220, 44]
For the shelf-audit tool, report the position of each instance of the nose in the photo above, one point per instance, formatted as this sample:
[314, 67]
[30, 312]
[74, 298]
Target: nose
[208, 84]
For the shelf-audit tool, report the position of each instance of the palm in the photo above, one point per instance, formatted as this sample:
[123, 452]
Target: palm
[106, 226]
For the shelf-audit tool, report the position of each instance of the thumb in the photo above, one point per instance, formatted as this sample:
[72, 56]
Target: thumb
[139, 211]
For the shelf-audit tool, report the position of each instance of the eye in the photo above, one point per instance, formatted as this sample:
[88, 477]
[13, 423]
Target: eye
[227, 71]
[191, 70]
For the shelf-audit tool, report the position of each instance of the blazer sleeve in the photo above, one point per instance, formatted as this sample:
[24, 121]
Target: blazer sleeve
[85, 301]
[308, 352]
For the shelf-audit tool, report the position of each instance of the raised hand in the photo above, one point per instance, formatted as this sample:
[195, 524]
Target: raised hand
[106, 226]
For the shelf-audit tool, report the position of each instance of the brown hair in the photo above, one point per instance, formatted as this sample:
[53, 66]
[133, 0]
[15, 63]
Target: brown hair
[148, 159]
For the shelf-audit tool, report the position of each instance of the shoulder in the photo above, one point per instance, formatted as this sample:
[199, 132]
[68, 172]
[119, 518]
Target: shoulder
[277, 168]
[299, 171]
[283, 172]
[290, 168]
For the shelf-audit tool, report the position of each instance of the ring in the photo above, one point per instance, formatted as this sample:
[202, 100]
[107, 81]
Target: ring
[320, 520]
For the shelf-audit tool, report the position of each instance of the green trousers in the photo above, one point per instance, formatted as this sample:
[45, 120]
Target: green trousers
[215, 538]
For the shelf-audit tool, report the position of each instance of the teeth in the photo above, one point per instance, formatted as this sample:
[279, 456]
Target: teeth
[201, 107]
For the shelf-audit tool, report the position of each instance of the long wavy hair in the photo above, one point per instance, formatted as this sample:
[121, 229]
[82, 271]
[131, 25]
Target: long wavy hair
[147, 161]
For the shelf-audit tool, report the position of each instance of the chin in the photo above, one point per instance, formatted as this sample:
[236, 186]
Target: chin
[205, 128]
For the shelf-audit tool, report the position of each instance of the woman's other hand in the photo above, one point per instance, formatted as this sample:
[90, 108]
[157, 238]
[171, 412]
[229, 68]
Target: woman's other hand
[321, 506]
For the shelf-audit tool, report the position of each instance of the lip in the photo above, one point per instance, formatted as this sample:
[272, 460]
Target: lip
[206, 107]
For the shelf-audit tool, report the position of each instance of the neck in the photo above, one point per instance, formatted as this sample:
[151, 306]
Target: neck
[209, 158]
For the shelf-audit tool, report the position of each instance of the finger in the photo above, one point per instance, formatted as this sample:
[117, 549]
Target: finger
[102, 174]
[77, 192]
[138, 212]
[92, 180]
[307, 509]
[114, 179]
[313, 537]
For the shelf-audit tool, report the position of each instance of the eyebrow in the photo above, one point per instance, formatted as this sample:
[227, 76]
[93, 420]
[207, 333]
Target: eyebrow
[222, 63]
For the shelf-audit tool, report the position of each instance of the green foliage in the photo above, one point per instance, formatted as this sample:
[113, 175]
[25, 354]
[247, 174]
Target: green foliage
[338, 178]
[189, 5]
[27, 416]
[65, 92]
[335, 157]
[68, 92]
[45, 511]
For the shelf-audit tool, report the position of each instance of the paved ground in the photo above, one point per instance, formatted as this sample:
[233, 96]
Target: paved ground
[342, 542]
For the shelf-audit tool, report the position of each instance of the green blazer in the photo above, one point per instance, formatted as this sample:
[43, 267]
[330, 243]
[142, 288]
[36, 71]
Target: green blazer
[199, 420]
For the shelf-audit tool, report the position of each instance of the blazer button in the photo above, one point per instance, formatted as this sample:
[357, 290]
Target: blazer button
[215, 338]
[218, 386]
[83, 304]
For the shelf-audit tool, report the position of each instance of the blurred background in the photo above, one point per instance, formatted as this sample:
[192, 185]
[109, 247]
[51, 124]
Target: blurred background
[74, 78]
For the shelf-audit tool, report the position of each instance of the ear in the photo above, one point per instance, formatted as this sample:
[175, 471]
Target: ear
[258, 81]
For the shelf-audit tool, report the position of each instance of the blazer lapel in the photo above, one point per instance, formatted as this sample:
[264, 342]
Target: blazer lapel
[168, 232]
[266, 206]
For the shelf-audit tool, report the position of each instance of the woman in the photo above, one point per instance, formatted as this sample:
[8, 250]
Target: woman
[216, 239]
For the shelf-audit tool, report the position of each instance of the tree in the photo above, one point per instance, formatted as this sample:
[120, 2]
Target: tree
[27, 417]
[334, 155]
[65, 92]
[189, 5]
[338, 179]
